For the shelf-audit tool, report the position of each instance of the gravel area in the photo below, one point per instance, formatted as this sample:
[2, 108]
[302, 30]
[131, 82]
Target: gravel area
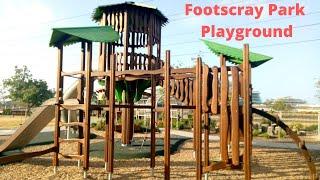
[267, 163]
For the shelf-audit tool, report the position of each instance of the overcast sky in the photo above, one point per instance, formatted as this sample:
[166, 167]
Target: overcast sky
[26, 29]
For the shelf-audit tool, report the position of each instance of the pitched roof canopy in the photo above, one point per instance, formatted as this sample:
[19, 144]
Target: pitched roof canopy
[67, 36]
[235, 55]
[98, 12]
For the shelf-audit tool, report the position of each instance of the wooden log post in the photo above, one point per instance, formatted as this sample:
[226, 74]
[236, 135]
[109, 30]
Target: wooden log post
[59, 100]
[198, 111]
[224, 124]
[153, 94]
[111, 117]
[246, 112]
[167, 117]
[87, 105]
[235, 117]
[80, 96]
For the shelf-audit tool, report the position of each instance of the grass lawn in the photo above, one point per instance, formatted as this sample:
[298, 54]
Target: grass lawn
[12, 122]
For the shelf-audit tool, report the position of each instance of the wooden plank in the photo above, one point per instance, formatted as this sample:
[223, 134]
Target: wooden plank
[182, 90]
[235, 117]
[186, 90]
[167, 118]
[183, 71]
[224, 125]
[86, 146]
[198, 96]
[204, 96]
[215, 91]
[126, 41]
[191, 93]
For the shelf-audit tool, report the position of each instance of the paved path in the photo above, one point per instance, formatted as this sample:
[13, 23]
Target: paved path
[256, 142]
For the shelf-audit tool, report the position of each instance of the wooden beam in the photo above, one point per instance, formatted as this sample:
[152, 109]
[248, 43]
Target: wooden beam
[59, 100]
[111, 116]
[235, 117]
[87, 107]
[246, 112]
[224, 124]
[198, 119]
[167, 118]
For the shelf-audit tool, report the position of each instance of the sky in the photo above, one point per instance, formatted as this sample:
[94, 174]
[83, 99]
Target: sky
[26, 28]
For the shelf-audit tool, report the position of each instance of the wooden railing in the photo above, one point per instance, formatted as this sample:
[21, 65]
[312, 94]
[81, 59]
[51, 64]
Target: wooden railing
[137, 61]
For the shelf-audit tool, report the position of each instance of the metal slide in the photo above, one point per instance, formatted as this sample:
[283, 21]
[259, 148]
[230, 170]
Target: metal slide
[301, 144]
[34, 124]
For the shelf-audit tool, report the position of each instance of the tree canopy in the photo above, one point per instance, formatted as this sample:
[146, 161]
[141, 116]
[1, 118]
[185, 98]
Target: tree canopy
[23, 88]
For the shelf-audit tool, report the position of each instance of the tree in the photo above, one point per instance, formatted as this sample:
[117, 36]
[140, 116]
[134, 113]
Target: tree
[318, 89]
[280, 105]
[23, 88]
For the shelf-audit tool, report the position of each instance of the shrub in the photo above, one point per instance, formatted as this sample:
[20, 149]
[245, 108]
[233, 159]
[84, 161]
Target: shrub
[101, 125]
[256, 132]
[312, 127]
[7, 112]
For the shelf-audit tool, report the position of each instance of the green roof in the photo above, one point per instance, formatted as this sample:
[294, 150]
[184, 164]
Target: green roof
[98, 12]
[67, 36]
[235, 55]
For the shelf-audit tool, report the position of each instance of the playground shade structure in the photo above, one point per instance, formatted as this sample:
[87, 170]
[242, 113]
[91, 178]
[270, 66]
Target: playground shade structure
[68, 36]
[235, 55]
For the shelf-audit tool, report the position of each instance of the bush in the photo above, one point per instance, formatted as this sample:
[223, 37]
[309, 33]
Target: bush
[7, 112]
[256, 132]
[312, 127]
[101, 125]
[296, 126]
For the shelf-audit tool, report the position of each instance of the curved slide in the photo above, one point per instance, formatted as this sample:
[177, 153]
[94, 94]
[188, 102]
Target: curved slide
[35, 123]
[294, 136]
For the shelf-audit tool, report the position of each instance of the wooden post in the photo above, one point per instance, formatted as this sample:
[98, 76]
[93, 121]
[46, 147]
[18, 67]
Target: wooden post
[80, 94]
[87, 107]
[59, 100]
[167, 117]
[198, 119]
[206, 138]
[246, 112]
[224, 125]
[111, 116]
[235, 116]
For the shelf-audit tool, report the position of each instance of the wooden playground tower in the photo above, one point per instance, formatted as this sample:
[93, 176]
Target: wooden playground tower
[203, 89]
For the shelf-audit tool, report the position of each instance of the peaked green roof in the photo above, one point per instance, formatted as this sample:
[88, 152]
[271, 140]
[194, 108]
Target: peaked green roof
[235, 55]
[67, 36]
[98, 12]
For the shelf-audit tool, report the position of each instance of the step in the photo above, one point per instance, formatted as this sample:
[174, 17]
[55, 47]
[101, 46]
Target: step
[71, 124]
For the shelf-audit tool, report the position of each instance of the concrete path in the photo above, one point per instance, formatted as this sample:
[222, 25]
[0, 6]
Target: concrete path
[256, 142]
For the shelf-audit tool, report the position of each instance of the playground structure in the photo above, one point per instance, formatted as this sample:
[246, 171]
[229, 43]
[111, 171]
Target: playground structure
[128, 36]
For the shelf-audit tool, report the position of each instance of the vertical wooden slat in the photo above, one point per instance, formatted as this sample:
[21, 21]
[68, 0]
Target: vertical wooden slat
[167, 117]
[126, 41]
[198, 119]
[80, 94]
[224, 111]
[182, 91]
[87, 107]
[59, 90]
[206, 139]
[102, 53]
[186, 89]
[204, 97]
[215, 91]
[111, 115]
[191, 93]
[235, 116]
[246, 112]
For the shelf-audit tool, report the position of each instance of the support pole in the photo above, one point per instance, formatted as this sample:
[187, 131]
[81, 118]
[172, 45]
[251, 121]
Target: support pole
[59, 100]
[235, 117]
[198, 119]
[87, 113]
[167, 117]
[246, 112]
[80, 97]
[111, 117]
